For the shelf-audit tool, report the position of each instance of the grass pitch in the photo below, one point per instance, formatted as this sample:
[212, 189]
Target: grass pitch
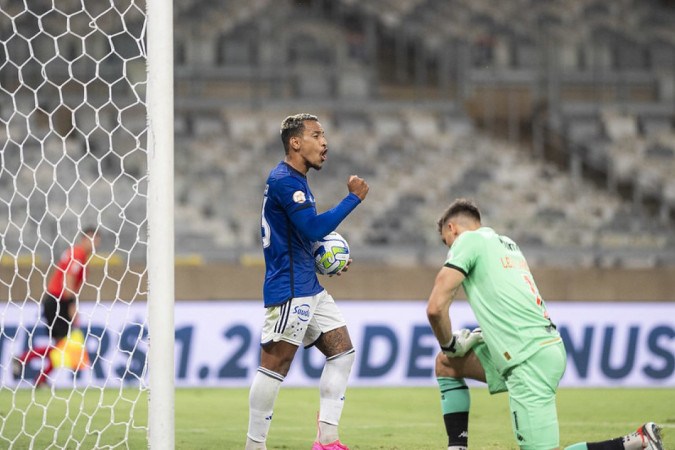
[374, 418]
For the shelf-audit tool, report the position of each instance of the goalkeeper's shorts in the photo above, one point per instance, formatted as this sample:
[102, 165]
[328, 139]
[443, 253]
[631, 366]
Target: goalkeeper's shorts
[532, 387]
[57, 316]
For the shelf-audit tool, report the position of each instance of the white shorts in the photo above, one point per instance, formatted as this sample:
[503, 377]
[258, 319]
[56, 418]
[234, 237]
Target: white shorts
[302, 320]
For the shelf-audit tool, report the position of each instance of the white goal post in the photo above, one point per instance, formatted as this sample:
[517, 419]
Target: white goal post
[86, 142]
[160, 225]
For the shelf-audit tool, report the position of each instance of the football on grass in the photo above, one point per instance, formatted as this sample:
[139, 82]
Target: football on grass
[331, 254]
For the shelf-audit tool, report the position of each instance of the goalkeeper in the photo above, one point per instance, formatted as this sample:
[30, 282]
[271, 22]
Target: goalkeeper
[517, 347]
[59, 303]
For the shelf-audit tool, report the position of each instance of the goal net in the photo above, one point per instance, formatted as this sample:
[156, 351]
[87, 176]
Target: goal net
[73, 155]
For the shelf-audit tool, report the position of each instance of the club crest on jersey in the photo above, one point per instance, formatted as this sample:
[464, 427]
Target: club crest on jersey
[299, 197]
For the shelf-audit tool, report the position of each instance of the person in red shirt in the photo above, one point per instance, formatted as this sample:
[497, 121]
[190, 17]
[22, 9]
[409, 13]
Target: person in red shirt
[59, 303]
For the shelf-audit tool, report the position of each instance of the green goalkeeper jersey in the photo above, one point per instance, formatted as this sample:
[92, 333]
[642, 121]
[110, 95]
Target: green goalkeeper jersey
[502, 295]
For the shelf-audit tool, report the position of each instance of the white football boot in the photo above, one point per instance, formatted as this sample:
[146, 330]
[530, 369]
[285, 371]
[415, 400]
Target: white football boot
[651, 436]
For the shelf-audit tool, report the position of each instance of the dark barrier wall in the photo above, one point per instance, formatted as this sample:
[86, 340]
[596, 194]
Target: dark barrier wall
[223, 281]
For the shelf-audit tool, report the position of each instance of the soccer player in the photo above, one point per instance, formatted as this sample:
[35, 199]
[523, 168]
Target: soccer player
[298, 309]
[517, 347]
[59, 303]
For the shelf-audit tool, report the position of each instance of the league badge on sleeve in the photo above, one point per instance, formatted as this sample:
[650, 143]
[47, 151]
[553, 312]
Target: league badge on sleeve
[299, 197]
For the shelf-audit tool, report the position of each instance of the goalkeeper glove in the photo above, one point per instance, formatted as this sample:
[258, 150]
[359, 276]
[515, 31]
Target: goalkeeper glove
[462, 341]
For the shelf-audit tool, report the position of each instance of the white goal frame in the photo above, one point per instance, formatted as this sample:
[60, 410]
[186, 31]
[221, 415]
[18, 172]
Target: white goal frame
[160, 207]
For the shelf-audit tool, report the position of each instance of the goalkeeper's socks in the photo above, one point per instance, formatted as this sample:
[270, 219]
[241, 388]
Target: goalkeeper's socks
[630, 442]
[633, 441]
[263, 394]
[38, 352]
[455, 404]
[47, 368]
[613, 444]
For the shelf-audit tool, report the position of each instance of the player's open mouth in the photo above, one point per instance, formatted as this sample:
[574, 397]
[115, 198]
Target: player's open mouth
[324, 155]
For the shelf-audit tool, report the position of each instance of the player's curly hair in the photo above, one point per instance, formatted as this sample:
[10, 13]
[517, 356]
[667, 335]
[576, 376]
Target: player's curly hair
[294, 126]
[460, 207]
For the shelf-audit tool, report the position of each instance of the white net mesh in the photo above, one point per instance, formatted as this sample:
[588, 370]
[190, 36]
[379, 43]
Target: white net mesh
[72, 155]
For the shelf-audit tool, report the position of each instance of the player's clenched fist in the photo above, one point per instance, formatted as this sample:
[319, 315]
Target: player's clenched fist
[358, 186]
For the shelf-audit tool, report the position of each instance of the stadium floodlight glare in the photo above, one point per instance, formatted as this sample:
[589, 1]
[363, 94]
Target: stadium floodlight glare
[86, 139]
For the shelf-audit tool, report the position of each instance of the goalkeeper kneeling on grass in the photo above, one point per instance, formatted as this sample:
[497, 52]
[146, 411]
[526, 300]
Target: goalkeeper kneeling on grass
[517, 347]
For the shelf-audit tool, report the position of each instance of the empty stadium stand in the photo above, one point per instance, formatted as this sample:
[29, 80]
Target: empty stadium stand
[557, 117]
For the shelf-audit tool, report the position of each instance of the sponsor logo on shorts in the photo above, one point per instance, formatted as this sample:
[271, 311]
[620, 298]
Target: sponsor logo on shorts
[302, 311]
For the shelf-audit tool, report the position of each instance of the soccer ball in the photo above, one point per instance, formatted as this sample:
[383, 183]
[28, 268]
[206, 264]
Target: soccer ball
[331, 254]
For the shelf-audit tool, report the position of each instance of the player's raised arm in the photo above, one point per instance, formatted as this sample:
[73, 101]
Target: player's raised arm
[314, 227]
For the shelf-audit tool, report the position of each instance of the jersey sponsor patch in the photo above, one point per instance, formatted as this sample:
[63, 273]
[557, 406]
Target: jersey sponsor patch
[299, 197]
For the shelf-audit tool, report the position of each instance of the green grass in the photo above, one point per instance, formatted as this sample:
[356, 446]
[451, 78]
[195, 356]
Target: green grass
[94, 418]
[374, 418]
